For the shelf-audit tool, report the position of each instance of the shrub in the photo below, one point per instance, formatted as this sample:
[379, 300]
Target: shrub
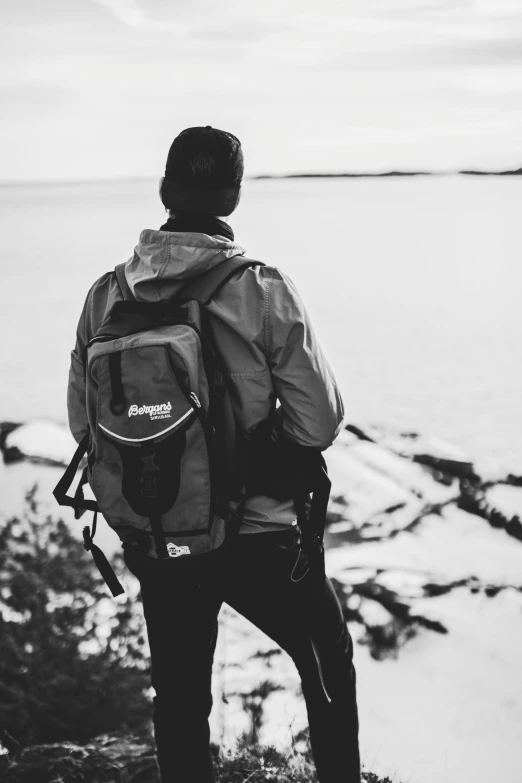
[73, 662]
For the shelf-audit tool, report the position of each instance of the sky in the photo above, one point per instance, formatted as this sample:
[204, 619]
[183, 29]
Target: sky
[95, 89]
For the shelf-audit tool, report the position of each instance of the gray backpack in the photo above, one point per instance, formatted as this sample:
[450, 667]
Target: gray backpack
[163, 450]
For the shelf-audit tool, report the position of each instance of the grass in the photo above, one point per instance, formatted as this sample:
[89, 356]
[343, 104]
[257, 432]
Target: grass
[126, 758]
[262, 764]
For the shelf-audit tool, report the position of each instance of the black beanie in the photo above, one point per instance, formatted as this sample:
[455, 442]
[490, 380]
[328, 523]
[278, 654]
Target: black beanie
[203, 172]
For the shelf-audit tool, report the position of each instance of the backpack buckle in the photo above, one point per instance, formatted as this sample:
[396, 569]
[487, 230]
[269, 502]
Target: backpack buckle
[149, 487]
[148, 478]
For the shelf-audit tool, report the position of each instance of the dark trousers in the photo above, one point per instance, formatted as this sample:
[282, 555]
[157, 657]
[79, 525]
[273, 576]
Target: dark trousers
[181, 615]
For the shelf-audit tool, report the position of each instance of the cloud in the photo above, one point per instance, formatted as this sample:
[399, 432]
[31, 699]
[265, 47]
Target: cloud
[131, 13]
[377, 84]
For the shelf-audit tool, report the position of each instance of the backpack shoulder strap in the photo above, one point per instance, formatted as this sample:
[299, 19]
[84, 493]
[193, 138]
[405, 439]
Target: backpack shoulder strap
[122, 282]
[203, 287]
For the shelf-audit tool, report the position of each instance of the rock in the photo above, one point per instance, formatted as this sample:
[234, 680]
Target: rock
[115, 758]
[413, 576]
[408, 584]
[39, 441]
[505, 498]
[494, 504]
[429, 577]
[126, 758]
[373, 614]
[448, 467]
[377, 492]
[409, 444]
[6, 427]
[358, 432]
[387, 619]
[514, 528]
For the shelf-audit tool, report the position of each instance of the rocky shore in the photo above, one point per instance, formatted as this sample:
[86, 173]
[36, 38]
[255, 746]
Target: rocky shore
[385, 484]
[424, 548]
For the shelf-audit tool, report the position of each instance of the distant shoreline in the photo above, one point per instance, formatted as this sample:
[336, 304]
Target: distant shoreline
[298, 175]
[352, 175]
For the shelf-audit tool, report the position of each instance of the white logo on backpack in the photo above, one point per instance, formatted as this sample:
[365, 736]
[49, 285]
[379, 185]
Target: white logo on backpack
[176, 551]
[155, 411]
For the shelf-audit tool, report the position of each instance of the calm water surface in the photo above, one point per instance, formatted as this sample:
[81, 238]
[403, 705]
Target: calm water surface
[414, 286]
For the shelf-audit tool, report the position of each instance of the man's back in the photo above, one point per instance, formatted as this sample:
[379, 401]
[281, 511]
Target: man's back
[260, 327]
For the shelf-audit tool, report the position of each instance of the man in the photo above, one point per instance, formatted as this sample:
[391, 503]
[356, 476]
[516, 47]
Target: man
[268, 347]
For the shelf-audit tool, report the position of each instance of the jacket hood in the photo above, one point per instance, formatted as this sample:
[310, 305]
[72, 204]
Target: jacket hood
[164, 260]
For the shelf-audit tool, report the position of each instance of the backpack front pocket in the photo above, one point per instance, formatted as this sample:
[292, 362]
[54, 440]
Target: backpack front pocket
[151, 456]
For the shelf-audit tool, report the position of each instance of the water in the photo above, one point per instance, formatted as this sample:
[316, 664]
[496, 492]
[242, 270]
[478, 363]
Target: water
[413, 284]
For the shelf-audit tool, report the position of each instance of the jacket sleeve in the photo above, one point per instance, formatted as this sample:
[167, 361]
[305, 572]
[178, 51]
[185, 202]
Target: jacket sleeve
[76, 400]
[310, 399]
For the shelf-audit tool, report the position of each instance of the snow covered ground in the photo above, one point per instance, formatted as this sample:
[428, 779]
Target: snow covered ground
[426, 557]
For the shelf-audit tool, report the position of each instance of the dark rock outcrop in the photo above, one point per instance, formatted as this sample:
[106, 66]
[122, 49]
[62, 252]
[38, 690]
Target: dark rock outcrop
[111, 758]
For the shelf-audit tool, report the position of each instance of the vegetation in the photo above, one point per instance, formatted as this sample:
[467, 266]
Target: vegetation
[73, 663]
[74, 679]
[129, 758]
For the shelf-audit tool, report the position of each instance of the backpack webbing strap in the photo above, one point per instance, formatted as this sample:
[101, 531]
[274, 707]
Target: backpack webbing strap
[101, 562]
[80, 504]
[122, 282]
[159, 536]
[203, 287]
[321, 496]
[77, 502]
[312, 526]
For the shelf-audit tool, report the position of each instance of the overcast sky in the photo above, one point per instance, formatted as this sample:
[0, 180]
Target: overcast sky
[99, 88]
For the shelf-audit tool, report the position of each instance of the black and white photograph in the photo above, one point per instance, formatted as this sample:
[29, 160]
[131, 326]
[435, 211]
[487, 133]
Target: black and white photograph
[260, 391]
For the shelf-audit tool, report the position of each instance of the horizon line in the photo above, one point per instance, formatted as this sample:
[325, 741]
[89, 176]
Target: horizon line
[253, 177]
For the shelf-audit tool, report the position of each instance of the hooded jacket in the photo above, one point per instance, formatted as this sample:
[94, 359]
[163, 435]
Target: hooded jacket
[263, 333]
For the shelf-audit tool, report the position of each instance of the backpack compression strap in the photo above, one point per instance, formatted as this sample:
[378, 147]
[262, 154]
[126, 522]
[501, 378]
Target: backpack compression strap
[79, 503]
[312, 525]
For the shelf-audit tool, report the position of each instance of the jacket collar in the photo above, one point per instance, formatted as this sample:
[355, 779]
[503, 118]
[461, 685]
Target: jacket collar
[198, 222]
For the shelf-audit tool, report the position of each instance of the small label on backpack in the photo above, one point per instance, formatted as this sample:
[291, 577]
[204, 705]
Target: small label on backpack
[177, 551]
[161, 411]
